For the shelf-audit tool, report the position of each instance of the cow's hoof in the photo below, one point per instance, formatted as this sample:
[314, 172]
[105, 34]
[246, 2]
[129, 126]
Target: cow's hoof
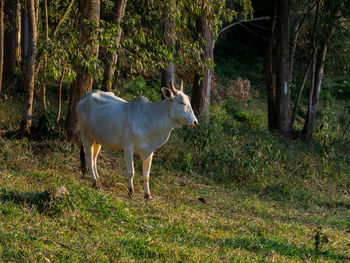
[148, 197]
[131, 190]
[131, 193]
[97, 185]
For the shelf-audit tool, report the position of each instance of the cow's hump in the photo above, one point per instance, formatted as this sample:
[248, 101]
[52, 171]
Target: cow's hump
[102, 97]
[142, 99]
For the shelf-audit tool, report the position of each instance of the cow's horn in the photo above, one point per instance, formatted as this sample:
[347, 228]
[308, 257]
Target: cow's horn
[182, 86]
[173, 89]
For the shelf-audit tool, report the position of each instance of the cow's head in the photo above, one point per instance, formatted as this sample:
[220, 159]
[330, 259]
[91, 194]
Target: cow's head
[180, 110]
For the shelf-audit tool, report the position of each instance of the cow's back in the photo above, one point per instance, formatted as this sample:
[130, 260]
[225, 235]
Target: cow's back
[101, 116]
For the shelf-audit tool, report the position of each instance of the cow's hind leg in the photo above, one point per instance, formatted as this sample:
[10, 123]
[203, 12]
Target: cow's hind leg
[129, 162]
[146, 167]
[89, 156]
[97, 148]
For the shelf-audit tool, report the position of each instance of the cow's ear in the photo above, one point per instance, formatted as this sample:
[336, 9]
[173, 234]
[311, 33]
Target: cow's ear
[167, 93]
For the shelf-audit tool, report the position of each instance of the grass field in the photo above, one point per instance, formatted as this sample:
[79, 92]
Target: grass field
[242, 196]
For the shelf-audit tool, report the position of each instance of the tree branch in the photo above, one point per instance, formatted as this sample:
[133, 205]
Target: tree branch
[251, 31]
[244, 21]
[63, 18]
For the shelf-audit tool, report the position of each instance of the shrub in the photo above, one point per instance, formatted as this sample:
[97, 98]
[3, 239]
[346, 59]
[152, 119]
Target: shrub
[138, 87]
[240, 89]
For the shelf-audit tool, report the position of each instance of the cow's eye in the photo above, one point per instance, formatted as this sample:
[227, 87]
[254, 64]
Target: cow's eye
[183, 103]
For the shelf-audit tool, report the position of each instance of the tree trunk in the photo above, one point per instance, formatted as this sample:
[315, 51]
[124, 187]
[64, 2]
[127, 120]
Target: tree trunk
[59, 103]
[45, 59]
[318, 69]
[24, 38]
[298, 24]
[108, 74]
[168, 73]
[115, 85]
[1, 40]
[202, 80]
[24, 32]
[18, 34]
[270, 75]
[282, 68]
[294, 47]
[315, 91]
[278, 91]
[90, 10]
[29, 73]
[311, 62]
[300, 92]
[10, 43]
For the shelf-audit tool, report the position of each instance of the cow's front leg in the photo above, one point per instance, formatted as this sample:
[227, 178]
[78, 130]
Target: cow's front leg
[96, 148]
[146, 167]
[129, 162]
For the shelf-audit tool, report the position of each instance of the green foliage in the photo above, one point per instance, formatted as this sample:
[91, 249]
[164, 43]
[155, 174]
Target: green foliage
[48, 126]
[341, 89]
[138, 87]
[215, 146]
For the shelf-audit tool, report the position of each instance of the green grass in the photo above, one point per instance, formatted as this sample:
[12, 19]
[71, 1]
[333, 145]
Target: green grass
[263, 198]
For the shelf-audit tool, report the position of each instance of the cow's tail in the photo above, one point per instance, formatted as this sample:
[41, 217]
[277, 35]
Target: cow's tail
[82, 152]
[82, 159]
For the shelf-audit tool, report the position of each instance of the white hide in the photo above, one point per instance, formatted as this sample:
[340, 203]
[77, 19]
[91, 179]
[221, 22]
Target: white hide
[139, 127]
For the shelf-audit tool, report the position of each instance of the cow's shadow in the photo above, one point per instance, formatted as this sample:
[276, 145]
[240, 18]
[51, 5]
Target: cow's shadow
[44, 202]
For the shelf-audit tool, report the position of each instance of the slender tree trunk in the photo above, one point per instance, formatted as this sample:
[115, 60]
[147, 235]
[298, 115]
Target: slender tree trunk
[108, 74]
[60, 95]
[1, 40]
[115, 85]
[24, 32]
[24, 48]
[168, 73]
[45, 59]
[294, 47]
[10, 43]
[29, 74]
[18, 34]
[90, 10]
[37, 12]
[314, 56]
[300, 92]
[282, 68]
[315, 94]
[318, 68]
[202, 81]
[297, 28]
[270, 75]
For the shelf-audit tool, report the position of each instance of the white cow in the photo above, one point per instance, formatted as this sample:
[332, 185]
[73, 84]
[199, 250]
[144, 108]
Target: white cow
[139, 127]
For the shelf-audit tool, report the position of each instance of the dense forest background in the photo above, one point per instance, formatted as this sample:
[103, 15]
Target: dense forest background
[81, 45]
[263, 177]
[90, 44]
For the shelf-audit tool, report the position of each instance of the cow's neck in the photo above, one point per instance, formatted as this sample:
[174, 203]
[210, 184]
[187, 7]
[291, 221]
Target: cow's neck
[159, 126]
[160, 115]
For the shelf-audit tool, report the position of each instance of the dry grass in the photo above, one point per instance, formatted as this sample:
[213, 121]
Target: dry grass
[240, 89]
